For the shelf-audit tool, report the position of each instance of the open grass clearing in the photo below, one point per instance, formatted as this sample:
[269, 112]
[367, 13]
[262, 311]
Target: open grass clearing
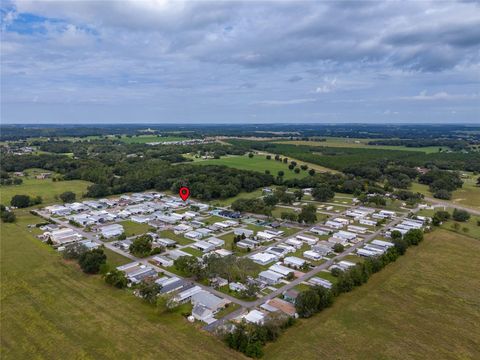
[257, 163]
[46, 188]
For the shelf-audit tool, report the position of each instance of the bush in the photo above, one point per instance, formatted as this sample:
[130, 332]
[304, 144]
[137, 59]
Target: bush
[439, 217]
[460, 215]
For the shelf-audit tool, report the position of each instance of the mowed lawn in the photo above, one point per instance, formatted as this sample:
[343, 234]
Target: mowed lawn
[46, 188]
[424, 306]
[256, 163]
[51, 310]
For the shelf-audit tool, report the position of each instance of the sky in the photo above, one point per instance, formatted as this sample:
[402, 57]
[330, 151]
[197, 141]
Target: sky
[160, 61]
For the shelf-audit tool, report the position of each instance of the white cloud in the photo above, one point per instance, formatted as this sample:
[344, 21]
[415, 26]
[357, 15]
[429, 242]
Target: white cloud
[285, 102]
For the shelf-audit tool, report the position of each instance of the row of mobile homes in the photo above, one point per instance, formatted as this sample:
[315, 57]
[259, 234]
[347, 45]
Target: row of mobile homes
[317, 281]
[136, 272]
[310, 240]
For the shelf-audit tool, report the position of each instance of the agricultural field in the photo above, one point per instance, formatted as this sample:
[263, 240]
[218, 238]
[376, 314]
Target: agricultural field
[256, 163]
[53, 310]
[143, 139]
[424, 306]
[360, 143]
[46, 188]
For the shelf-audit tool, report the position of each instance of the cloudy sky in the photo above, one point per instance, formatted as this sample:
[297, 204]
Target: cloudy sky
[163, 61]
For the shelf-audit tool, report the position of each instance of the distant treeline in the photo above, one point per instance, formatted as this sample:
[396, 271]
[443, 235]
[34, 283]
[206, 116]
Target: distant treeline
[372, 131]
[455, 145]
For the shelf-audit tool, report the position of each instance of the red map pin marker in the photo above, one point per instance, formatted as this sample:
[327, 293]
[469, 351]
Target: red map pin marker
[184, 193]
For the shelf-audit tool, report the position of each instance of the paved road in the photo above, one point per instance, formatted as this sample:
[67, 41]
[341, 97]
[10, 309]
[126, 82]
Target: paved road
[438, 202]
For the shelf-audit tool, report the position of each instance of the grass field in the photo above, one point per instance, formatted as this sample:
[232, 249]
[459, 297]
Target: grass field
[424, 306]
[243, 195]
[468, 195]
[51, 310]
[256, 163]
[359, 143]
[46, 188]
[132, 228]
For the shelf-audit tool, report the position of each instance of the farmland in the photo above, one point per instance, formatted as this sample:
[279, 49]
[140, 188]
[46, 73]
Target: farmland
[424, 306]
[46, 188]
[56, 311]
[359, 144]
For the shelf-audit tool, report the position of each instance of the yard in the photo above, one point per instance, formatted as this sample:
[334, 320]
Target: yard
[133, 228]
[179, 238]
[53, 310]
[424, 306]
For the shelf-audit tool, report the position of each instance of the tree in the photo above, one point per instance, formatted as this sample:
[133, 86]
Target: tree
[325, 297]
[270, 200]
[268, 157]
[296, 170]
[281, 173]
[290, 216]
[323, 193]
[401, 246]
[439, 217]
[396, 235]
[20, 201]
[74, 251]
[338, 248]
[311, 172]
[6, 215]
[308, 214]
[307, 303]
[413, 237]
[116, 278]
[442, 194]
[298, 194]
[141, 246]
[285, 160]
[460, 215]
[67, 196]
[267, 172]
[250, 155]
[91, 261]
[149, 290]
[291, 166]
[251, 290]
